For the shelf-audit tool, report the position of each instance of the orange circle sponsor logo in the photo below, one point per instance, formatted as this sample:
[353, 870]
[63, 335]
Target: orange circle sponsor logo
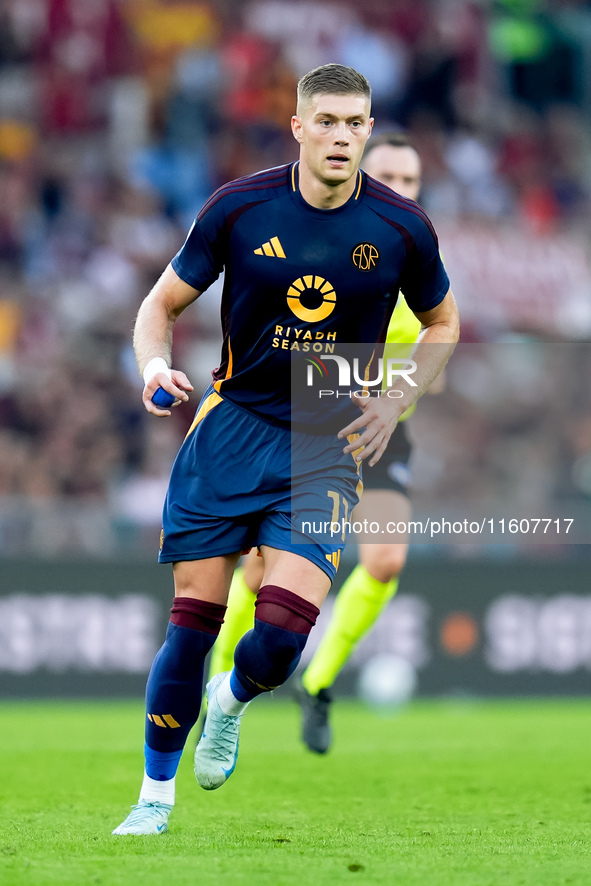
[459, 634]
[318, 286]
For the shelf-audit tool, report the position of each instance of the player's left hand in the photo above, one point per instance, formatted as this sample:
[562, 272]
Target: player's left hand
[379, 418]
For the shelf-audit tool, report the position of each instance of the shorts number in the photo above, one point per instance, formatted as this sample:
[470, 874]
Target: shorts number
[336, 508]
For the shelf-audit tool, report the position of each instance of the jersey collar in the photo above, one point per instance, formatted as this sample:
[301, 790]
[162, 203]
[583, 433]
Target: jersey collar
[352, 202]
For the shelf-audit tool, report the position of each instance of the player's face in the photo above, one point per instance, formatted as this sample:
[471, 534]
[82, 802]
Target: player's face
[332, 131]
[398, 168]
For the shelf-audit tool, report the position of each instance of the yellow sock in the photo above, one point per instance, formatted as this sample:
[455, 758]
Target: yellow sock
[238, 620]
[357, 607]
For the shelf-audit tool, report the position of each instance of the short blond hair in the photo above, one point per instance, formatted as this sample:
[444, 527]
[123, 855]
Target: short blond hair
[332, 79]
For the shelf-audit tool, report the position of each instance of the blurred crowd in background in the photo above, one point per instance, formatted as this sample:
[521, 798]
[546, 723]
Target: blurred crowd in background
[118, 118]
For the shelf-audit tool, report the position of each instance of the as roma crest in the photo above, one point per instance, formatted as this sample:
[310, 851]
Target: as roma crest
[365, 256]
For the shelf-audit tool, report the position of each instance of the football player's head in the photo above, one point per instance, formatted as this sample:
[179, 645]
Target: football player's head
[392, 159]
[332, 121]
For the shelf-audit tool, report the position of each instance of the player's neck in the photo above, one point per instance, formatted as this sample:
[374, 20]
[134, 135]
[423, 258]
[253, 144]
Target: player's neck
[320, 195]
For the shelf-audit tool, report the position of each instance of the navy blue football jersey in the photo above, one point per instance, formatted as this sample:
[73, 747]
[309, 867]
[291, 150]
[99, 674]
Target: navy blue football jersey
[301, 279]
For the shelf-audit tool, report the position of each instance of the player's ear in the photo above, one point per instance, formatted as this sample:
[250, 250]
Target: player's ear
[370, 125]
[296, 128]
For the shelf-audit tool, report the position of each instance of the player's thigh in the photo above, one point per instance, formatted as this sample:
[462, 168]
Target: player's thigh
[253, 567]
[207, 579]
[384, 552]
[383, 507]
[296, 574]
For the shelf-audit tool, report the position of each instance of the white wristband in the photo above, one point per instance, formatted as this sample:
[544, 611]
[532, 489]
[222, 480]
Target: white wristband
[155, 365]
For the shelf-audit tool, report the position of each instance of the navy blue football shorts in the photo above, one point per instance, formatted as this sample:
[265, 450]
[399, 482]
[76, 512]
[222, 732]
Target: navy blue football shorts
[239, 481]
[392, 471]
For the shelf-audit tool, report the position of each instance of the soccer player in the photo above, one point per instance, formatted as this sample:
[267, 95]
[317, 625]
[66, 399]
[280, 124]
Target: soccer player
[392, 160]
[289, 241]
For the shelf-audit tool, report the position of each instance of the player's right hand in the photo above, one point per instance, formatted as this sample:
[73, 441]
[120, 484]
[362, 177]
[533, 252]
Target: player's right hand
[373, 428]
[179, 386]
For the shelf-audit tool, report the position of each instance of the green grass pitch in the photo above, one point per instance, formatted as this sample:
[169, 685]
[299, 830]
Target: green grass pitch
[464, 794]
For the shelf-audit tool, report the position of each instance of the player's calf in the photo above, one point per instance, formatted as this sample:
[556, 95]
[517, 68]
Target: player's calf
[265, 657]
[173, 698]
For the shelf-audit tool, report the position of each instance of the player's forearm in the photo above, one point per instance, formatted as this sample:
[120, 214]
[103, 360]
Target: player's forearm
[430, 356]
[437, 386]
[157, 315]
[152, 335]
[433, 349]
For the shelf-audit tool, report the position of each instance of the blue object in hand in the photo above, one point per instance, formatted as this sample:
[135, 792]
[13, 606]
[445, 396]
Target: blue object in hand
[162, 398]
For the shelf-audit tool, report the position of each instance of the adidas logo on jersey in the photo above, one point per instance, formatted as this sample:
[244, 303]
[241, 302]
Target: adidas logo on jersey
[272, 248]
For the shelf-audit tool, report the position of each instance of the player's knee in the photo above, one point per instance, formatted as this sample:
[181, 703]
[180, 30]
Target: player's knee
[270, 653]
[386, 562]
